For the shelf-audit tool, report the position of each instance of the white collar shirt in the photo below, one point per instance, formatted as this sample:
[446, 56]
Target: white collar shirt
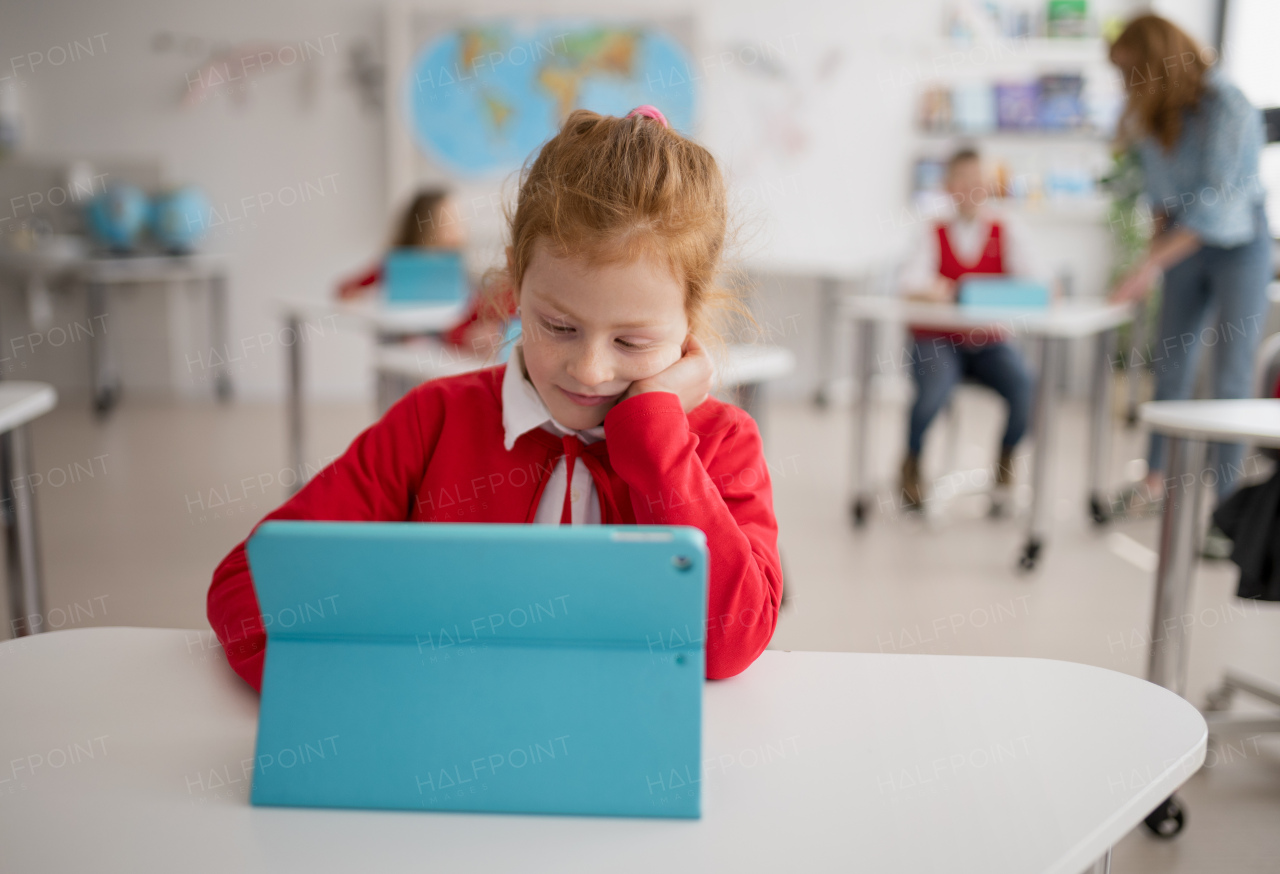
[522, 411]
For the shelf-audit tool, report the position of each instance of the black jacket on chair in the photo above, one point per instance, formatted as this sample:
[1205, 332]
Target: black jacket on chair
[1251, 518]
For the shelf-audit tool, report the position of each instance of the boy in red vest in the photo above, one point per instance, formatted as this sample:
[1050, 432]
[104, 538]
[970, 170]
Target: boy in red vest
[972, 240]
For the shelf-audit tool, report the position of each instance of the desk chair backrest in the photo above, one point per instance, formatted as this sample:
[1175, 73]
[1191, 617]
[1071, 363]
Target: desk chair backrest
[423, 276]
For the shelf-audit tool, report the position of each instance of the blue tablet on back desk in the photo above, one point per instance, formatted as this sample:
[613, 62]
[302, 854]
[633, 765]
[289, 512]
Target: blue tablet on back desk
[424, 276]
[516, 668]
[1003, 292]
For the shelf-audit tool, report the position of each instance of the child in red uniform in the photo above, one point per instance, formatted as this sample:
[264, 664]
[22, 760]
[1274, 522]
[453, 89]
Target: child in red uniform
[431, 222]
[602, 415]
[972, 241]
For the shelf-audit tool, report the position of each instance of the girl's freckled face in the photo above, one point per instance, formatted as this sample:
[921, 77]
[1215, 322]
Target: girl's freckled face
[590, 330]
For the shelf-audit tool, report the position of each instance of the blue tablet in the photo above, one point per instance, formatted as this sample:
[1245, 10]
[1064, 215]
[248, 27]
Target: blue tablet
[422, 276]
[516, 668]
[1003, 292]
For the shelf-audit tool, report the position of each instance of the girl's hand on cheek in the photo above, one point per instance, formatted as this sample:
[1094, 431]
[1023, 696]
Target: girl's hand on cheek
[689, 378]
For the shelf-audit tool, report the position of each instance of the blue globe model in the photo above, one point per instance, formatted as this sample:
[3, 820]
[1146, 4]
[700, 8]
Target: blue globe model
[178, 218]
[116, 216]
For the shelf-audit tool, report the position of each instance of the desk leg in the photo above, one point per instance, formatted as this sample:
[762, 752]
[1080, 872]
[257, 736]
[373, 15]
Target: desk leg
[294, 402]
[26, 597]
[828, 289]
[103, 378]
[219, 327]
[862, 420]
[1179, 546]
[1042, 431]
[1133, 368]
[1102, 866]
[1100, 430]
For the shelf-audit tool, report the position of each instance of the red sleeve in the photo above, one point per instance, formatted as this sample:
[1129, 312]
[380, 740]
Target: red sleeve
[457, 335]
[728, 496]
[480, 307]
[373, 481]
[373, 277]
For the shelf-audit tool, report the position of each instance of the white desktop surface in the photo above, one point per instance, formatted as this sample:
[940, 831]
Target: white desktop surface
[1064, 318]
[377, 315]
[150, 268]
[1256, 419]
[20, 402]
[812, 762]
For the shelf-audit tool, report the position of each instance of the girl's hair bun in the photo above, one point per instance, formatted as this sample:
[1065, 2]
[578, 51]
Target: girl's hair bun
[648, 111]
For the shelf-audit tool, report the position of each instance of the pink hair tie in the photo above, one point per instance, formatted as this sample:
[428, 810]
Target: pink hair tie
[650, 112]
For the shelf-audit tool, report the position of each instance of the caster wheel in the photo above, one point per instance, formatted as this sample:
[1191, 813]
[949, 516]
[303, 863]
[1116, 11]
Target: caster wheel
[1030, 555]
[223, 389]
[1131, 418]
[820, 399]
[105, 399]
[1166, 820]
[1219, 700]
[1099, 513]
[859, 513]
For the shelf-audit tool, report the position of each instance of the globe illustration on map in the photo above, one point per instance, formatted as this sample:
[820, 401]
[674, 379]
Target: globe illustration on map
[480, 100]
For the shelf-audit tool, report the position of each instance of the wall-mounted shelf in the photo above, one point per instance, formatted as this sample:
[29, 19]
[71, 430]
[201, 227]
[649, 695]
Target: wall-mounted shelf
[1015, 51]
[1077, 135]
[1084, 209]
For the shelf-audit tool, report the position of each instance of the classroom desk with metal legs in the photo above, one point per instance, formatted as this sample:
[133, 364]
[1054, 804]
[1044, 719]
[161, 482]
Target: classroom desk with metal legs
[372, 316]
[1190, 427]
[100, 275]
[1052, 327]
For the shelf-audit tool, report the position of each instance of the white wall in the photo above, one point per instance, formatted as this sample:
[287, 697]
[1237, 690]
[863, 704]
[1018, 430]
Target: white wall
[1196, 17]
[124, 101]
[827, 203]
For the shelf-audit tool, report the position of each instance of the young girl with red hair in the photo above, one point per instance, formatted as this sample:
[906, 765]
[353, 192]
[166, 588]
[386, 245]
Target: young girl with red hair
[602, 414]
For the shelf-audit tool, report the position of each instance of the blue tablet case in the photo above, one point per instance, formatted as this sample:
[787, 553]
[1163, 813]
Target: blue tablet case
[422, 276]
[517, 668]
[1003, 292]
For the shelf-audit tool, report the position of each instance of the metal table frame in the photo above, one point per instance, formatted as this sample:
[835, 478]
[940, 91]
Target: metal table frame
[17, 502]
[99, 275]
[1181, 532]
[382, 320]
[1052, 327]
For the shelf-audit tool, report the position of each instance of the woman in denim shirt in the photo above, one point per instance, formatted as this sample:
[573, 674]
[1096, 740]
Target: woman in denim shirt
[1198, 140]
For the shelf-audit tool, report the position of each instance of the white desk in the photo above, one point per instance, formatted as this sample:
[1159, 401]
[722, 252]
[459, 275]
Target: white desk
[747, 367]
[1190, 425]
[98, 274]
[1065, 320]
[742, 372]
[20, 403]
[368, 314]
[812, 762]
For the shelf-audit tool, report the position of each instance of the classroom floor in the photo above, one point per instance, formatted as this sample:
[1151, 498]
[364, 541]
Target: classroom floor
[136, 511]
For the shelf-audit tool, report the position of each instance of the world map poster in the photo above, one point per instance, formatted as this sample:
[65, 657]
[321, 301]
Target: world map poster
[480, 99]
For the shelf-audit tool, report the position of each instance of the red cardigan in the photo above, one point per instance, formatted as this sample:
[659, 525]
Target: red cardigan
[990, 262]
[438, 456]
